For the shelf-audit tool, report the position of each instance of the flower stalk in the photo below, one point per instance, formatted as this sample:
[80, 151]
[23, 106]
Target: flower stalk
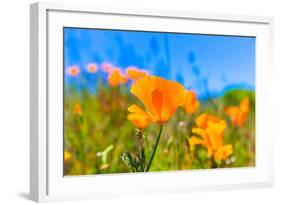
[155, 148]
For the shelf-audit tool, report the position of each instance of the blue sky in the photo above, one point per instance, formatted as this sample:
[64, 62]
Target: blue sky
[199, 62]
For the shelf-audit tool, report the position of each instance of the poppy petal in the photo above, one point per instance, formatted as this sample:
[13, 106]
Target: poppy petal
[223, 152]
[139, 117]
[216, 132]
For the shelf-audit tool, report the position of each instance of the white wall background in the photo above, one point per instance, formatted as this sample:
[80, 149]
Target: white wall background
[14, 101]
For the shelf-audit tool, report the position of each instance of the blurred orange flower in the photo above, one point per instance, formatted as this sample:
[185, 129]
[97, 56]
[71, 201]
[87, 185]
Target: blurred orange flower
[203, 119]
[245, 105]
[116, 77]
[238, 114]
[190, 103]
[92, 68]
[134, 73]
[67, 155]
[77, 110]
[223, 152]
[73, 71]
[211, 138]
[160, 97]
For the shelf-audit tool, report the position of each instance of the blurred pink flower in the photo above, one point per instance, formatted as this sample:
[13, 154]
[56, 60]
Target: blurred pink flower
[107, 67]
[92, 68]
[73, 70]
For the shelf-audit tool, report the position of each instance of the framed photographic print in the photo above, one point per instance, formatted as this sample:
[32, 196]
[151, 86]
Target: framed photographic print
[127, 102]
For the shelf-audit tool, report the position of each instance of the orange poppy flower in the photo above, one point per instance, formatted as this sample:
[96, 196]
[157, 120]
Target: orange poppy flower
[203, 119]
[77, 110]
[92, 68]
[245, 105]
[238, 114]
[116, 78]
[223, 152]
[211, 138]
[134, 73]
[190, 103]
[160, 97]
[73, 71]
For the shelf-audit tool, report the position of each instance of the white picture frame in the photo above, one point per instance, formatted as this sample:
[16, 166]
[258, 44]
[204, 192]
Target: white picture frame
[46, 156]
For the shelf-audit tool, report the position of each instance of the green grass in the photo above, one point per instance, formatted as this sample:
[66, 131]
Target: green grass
[99, 136]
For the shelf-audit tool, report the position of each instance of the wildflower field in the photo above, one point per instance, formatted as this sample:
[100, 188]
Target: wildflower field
[121, 118]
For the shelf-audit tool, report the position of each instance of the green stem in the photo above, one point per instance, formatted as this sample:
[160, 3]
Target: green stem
[214, 164]
[155, 148]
